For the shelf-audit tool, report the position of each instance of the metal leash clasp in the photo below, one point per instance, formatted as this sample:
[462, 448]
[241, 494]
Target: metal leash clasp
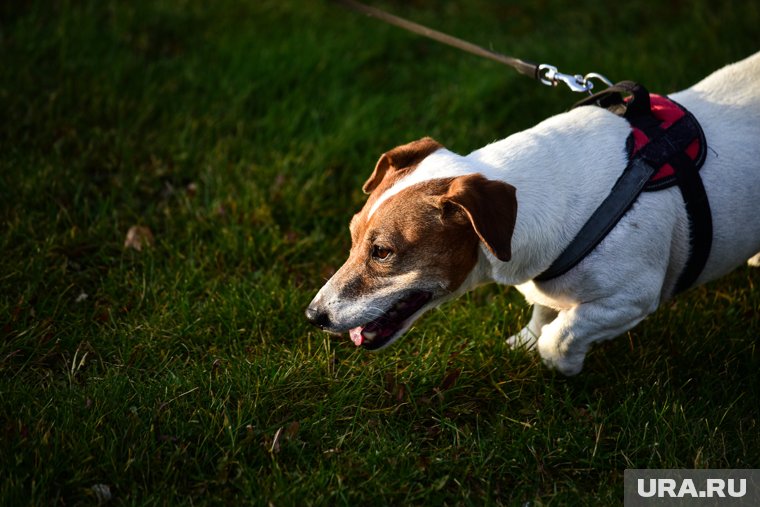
[550, 76]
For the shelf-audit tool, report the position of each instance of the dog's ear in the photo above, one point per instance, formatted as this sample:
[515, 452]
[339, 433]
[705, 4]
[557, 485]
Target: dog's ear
[400, 157]
[491, 208]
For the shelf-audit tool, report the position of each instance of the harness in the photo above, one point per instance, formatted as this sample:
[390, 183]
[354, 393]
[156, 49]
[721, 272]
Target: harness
[666, 147]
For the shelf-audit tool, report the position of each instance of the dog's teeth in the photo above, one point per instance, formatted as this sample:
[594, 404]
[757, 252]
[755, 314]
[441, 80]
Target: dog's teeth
[369, 334]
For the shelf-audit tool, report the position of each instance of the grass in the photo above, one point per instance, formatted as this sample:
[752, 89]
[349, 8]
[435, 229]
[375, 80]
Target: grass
[240, 134]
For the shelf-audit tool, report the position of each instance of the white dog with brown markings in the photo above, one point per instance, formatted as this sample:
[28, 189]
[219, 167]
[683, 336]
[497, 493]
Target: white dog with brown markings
[437, 224]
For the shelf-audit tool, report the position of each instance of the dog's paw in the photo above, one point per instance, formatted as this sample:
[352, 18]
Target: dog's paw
[559, 357]
[566, 366]
[525, 338]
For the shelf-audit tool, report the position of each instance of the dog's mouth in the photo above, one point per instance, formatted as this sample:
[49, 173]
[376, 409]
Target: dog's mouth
[381, 330]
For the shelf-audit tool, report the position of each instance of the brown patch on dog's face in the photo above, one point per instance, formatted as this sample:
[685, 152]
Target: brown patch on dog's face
[414, 235]
[431, 230]
[392, 166]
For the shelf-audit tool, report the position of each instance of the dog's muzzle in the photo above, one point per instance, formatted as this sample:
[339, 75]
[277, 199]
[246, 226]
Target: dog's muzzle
[318, 317]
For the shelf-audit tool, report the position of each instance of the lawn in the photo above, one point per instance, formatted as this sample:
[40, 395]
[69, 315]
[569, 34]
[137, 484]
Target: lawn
[239, 134]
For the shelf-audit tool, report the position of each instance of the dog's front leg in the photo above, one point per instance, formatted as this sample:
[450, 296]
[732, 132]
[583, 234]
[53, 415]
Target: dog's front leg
[564, 342]
[527, 337]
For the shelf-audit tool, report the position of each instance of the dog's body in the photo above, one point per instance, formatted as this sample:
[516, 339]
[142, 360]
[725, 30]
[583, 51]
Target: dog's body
[437, 224]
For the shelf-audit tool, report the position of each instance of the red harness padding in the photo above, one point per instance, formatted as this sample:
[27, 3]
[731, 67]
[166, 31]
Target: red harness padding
[667, 112]
[666, 147]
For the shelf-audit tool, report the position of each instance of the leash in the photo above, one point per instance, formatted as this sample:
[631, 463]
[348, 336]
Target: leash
[546, 74]
[676, 145]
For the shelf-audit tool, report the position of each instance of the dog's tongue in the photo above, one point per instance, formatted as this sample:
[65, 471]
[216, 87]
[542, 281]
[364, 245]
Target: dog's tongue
[356, 335]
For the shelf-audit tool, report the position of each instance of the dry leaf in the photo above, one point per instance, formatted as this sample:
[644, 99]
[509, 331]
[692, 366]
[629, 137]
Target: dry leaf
[401, 393]
[450, 379]
[292, 429]
[138, 236]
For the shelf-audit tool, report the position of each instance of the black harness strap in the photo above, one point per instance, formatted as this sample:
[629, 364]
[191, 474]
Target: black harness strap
[700, 221]
[665, 146]
[625, 191]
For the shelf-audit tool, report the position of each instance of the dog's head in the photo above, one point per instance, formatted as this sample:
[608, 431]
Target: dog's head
[413, 246]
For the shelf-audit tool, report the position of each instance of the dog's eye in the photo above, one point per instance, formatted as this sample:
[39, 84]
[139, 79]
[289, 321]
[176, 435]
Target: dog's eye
[381, 254]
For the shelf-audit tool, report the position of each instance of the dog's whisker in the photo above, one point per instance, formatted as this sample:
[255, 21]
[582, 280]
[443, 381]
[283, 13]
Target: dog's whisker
[374, 312]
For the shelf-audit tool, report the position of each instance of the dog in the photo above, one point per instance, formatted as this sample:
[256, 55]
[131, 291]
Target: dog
[437, 224]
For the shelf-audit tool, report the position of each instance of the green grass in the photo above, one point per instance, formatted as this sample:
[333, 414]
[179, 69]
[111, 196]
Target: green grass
[240, 134]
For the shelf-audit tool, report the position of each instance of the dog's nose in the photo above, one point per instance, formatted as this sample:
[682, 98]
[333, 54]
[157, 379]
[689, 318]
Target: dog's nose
[318, 317]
